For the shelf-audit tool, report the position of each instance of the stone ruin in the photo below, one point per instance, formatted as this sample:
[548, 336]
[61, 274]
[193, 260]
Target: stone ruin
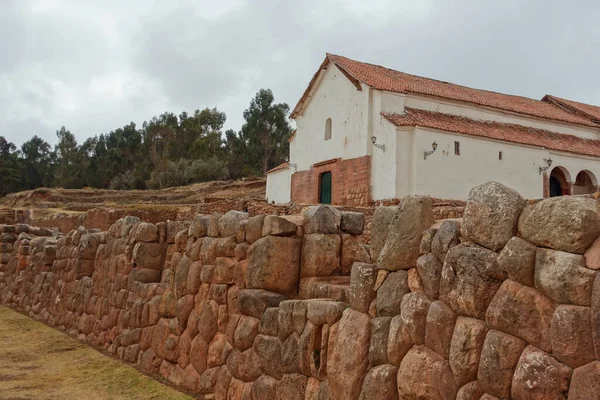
[503, 304]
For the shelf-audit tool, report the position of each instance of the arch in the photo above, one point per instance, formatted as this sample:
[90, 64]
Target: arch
[328, 129]
[585, 183]
[560, 182]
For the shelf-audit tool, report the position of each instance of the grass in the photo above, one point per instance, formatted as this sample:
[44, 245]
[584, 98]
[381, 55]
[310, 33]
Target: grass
[38, 362]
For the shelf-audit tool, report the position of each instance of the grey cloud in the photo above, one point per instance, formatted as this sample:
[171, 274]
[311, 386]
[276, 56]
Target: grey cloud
[97, 67]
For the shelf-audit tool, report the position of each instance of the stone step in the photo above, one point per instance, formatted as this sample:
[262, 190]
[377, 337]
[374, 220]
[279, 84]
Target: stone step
[332, 287]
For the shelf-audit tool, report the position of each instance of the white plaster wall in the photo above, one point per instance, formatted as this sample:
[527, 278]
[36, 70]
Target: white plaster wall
[279, 186]
[488, 114]
[446, 175]
[384, 165]
[336, 98]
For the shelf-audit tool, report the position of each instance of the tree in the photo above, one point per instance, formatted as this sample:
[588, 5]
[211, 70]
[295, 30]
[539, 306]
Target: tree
[266, 131]
[10, 171]
[68, 170]
[38, 161]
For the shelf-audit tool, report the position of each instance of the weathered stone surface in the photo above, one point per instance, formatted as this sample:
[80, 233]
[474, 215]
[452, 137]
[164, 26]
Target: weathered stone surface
[491, 215]
[320, 255]
[254, 228]
[278, 226]
[352, 251]
[595, 317]
[470, 391]
[322, 311]
[563, 277]
[380, 384]
[401, 249]
[465, 349]
[446, 237]
[414, 309]
[470, 278]
[562, 223]
[268, 349]
[523, 312]
[273, 264]
[424, 374]
[380, 330]
[145, 232]
[229, 222]
[382, 217]
[539, 376]
[390, 294]
[353, 222]
[268, 322]
[414, 281]
[242, 365]
[254, 302]
[426, 241]
[246, 331]
[291, 387]
[399, 341]
[322, 219]
[499, 358]
[346, 368]
[264, 387]
[518, 260]
[585, 382]
[199, 226]
[362, 282]
[149, 255]
[592, 256]
[572, 335]
[430, 272]
[199, 354]
[439, 329]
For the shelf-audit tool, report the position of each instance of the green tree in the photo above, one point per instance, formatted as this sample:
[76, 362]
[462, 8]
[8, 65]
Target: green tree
[68, 170]
[266, 131]
[10, 168]
[38, 162]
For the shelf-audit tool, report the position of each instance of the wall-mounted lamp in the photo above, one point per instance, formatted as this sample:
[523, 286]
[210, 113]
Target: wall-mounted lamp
[428, 153]
[547, 161]
[379, 146]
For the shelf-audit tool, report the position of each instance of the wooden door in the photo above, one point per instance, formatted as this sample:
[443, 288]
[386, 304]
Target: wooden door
[325, 188]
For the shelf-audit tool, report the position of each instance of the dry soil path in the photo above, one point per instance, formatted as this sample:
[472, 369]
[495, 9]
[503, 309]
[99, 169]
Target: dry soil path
[38, 362]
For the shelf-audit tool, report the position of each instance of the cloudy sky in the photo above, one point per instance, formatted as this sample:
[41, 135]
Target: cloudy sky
[96, 65]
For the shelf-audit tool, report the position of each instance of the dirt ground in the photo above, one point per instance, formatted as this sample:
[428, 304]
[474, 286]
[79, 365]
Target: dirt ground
[38, 362]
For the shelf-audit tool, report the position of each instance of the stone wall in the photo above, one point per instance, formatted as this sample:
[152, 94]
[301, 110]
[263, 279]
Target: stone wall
[503, 304]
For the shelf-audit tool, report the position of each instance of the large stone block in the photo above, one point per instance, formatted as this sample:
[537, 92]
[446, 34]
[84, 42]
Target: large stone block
[322, 219]
[362, 282]
[380, 384]
[446, 237]
[539, 376]
[518, 260]
[149, 255]
[563, 277]
[424, 374]
[465, 349]
[439, 328]
[430, 272]
[572, 335]
[254, 228]
[585, 382]
[470, 391]
[380, 330]
[353, 222]
[274, 264]
[470, 278]
[380, 227]
[199, 226]
[523, 312]
[228, 223]
[491, 215]
[390, 294]
[401, 249]
[278, 226]
[291, 387]
[499, 357]
[352, 251]
[254, 302]
[320, 255]
[568, 224]
[347, 368]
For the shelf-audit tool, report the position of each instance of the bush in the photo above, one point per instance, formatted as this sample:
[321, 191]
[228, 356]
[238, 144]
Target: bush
[186, 172]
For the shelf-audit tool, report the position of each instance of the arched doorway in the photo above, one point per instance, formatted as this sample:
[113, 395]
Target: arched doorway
[560, 182]
[585, 183]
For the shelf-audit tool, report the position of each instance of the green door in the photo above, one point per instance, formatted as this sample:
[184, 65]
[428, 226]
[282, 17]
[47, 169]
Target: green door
[325, 188]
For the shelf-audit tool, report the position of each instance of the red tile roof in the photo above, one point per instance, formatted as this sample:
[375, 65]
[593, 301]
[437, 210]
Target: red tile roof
[585, 110]
[280, 167]
[496, 130]
[382, 78]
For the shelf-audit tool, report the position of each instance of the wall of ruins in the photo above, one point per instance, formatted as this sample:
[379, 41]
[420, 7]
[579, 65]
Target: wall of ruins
[503, 304]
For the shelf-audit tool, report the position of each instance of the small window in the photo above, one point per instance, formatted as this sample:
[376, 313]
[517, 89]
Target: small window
[328, 129]
[499, 155]
[457, 148]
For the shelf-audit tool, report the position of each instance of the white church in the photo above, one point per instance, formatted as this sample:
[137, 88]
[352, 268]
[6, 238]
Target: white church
[367, 133]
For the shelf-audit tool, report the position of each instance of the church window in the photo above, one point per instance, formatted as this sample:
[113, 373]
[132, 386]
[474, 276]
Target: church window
[328, 129]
